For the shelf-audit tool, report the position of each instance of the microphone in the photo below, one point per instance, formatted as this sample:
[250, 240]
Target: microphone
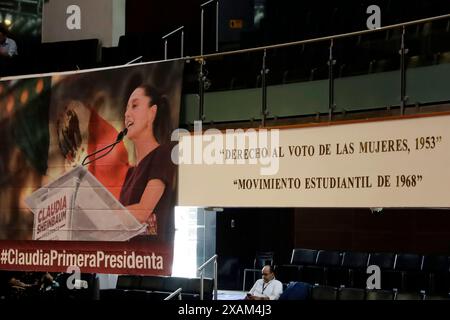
[122, 134]
[111, 146]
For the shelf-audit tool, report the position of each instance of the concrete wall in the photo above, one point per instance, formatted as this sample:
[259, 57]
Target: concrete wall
[101, 19]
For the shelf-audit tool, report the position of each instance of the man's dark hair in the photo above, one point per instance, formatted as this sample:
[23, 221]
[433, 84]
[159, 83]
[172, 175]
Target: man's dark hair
[271, 269]
[3, 29]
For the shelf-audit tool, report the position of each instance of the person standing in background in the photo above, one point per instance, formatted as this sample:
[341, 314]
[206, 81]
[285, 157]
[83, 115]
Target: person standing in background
[8, 50]
[8, 47]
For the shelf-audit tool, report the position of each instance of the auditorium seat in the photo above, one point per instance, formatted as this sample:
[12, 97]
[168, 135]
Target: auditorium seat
[379, 295]
[275, 64]
[353, 269]
[128, 282]
[355, 260]
[419, 61]
[386, 262]
[443, 57]
[437, 297]
[294, 66]
[173, 283]
[287, 273]
[353, 68]
[389, 63]
[131, 46]
[383, 260]
[299, 258]
[351, 294]
[69, 55]
[157, 288]
[409, 296]
[137, 295]
[328, 258]
[303, 257]
[436, 273]
[323, 293]
[151, 283]
[111, 57]
[440, 42]
[84, 53]
[406, 274]
[192, 289]
[158, 296]
[124, 284]
[319, 273]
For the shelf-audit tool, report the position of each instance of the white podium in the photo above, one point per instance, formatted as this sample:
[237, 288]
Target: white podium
[77, 207]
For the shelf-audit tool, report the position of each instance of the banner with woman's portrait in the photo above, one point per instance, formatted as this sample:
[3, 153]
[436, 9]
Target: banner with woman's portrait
[86, 176]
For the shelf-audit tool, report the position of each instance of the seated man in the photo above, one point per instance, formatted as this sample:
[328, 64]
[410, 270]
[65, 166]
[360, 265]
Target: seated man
[267, 288]
[8, 47]
[8, 51]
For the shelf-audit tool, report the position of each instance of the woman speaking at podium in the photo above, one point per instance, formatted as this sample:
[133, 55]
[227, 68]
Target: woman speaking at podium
[148, 189]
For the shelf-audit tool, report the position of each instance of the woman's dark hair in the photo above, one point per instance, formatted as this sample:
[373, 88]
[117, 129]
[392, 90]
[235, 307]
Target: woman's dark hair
[162, 125]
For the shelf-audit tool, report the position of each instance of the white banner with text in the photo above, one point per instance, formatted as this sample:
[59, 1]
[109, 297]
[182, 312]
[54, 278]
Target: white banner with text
[392, 163]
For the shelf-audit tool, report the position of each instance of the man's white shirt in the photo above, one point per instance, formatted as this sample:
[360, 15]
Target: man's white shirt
[9, 47]
[272, 289]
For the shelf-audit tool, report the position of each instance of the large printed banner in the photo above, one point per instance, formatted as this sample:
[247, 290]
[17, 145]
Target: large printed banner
[395, 163]
[112, 212]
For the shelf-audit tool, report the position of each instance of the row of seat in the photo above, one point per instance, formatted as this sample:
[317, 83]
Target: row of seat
[333, 293]
[128, 287]
[385, 260]
[55, 292]
[302, 20]
[35, 57]
[352, 57]
[404, 271]
[230, 76]
[156, 288]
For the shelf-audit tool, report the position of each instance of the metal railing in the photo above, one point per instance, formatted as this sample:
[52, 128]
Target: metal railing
[165, 38]
[134, 60]
[331, 39]
[201, 269]
[202, 7]
[174, 294]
